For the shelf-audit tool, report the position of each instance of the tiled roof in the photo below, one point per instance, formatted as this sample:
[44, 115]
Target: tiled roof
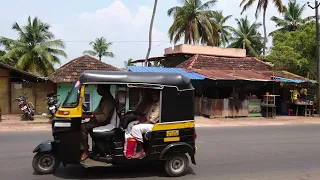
[190, 75]
[225, 63]
[246, 75]
[18, 70]
[72, 70]
[226, 68]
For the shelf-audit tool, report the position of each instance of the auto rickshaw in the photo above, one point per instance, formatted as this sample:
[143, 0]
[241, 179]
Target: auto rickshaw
[169, 142]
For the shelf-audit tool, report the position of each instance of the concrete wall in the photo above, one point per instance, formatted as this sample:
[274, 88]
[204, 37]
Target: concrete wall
[205, 50]
[4, 91]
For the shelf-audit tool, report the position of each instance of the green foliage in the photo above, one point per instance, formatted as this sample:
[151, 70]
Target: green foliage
[262, 5]
[246, 36]
[222, 30]
[35, 49]
[128, 63]
[295, 50]
[2, 53]
[100, 48]
[292, 17]
[192, 21]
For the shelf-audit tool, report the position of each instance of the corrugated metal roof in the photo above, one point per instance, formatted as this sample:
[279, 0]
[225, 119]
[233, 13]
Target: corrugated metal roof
[234, 75]
[190, 75]
[251, 75]
[292, 80]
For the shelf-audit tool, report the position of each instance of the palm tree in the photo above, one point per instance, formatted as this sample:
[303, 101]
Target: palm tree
[246, 36]
[223, 30]
[2, 53]
[291, 18]
[100, 48]
[35, 50]
[192, 20]
[263, 5]
[150, 31]
[128, 63]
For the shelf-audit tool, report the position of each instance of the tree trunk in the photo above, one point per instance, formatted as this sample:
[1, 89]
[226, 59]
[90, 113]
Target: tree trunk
[186, 35]
[150, 32]
[265, 33]
[100, 57]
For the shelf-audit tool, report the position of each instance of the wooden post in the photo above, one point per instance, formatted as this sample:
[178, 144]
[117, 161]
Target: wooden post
[233, 104]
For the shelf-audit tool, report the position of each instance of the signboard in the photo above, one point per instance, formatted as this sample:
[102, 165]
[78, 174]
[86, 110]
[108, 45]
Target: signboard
[254, 108]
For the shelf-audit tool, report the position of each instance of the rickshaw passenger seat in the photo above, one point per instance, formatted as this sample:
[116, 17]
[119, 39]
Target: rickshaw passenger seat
[107, 130]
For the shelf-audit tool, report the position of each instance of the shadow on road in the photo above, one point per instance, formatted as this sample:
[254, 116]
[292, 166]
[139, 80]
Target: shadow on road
[79, 172]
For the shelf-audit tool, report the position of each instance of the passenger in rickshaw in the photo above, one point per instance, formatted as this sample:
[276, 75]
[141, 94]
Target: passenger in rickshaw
[101, 116]
[146, 122]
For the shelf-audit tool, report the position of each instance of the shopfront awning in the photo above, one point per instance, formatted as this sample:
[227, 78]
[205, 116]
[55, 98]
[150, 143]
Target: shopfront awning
[281, 79]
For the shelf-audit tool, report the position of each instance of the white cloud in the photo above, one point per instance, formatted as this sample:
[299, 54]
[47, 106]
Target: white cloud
[129, 32]
[124, 26]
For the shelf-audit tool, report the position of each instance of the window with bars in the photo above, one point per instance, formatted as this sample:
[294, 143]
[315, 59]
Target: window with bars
[88, 100]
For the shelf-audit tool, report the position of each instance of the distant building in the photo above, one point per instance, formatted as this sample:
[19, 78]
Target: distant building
[15, 82]
[68, 74]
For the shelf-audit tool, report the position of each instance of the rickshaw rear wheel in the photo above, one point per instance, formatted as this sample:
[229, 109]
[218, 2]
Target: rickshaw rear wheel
[176, 165]
[45, 163]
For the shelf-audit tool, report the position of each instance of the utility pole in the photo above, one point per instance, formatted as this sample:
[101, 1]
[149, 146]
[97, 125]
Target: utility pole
[317, 54]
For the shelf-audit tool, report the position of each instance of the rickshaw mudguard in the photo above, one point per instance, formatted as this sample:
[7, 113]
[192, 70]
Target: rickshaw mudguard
[178, 147]
[45, 146]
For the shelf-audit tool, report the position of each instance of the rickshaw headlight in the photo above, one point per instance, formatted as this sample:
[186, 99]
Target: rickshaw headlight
[63, 112]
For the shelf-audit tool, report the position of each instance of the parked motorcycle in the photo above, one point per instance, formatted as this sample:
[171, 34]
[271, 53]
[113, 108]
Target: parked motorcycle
[26, 107]
[52, 103]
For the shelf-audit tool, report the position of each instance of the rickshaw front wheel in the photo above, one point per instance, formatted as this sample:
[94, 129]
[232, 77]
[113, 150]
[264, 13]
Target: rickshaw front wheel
[176, 165]
[45, 163]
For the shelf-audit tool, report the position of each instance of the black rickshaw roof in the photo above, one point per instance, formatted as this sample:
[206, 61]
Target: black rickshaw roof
[122, 77]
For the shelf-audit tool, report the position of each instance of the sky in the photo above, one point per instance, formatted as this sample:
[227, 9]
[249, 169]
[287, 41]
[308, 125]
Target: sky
[123, 22]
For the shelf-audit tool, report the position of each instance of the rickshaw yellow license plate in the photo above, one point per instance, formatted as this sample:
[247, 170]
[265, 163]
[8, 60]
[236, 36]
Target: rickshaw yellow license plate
[172, 133]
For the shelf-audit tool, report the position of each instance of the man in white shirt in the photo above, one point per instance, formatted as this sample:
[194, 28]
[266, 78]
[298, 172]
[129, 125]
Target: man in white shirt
[151, 117]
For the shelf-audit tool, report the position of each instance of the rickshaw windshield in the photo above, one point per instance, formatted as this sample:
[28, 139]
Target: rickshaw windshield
[73, 97]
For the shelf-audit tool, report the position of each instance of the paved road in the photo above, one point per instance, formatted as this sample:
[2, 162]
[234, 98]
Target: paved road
[273, 152]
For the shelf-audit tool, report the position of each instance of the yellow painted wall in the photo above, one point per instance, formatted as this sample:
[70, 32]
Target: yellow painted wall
[16, 91]
[4, 91]
[41, 90]
[36, 93]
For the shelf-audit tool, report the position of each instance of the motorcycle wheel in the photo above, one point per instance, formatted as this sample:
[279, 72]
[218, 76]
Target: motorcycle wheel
[23, 117]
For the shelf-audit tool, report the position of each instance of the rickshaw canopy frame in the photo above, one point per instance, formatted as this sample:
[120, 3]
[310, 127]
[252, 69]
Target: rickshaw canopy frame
[182, 83]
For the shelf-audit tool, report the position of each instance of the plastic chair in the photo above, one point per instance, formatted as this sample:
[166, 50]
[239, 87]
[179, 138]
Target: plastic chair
[290, 112]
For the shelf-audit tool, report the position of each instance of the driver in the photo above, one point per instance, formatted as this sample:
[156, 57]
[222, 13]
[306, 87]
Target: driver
[101, 116]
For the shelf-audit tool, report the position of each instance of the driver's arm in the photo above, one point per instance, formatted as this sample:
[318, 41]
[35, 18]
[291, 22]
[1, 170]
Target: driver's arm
[102, 112]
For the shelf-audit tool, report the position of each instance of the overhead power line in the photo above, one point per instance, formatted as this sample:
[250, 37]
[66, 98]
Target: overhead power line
[74, 41]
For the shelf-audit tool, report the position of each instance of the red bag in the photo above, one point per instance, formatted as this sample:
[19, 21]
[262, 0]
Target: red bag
[130, 147]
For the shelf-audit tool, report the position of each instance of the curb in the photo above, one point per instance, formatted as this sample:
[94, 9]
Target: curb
[203, 125]
[38, 123]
